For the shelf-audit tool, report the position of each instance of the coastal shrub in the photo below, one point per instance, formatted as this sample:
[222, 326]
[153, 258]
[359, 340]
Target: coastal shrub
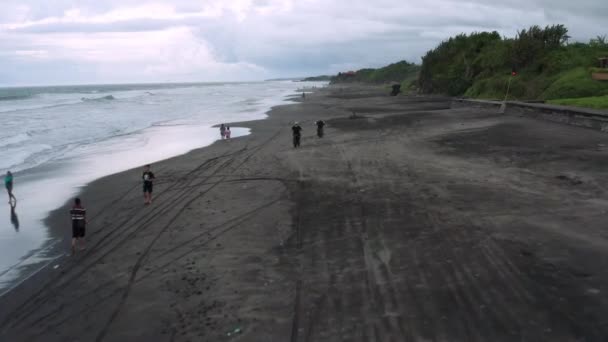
[452, 67]
[480, 64]
[547, 65]
[575, 83]
[402, 72]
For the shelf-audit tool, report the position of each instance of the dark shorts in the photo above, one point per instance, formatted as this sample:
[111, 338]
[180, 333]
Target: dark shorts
[148, 187]
[78, 229]
[9, 187]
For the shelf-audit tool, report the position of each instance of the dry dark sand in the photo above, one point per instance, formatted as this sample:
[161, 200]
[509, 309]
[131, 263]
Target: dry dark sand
[412, 222]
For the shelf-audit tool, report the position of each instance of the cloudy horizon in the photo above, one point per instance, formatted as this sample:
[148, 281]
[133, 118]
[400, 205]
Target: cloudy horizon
[130, 41]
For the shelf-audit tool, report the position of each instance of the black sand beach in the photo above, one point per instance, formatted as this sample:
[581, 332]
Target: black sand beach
[409, 222]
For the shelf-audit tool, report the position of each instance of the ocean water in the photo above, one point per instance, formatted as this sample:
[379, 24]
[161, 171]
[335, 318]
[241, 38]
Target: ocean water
[55, 140]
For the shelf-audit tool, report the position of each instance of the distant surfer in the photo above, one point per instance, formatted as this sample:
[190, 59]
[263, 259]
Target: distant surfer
[79, 222]
[148, 178]
[228, 133]
[223, 131]
[320, 125]
[8, 183]
[297, 134]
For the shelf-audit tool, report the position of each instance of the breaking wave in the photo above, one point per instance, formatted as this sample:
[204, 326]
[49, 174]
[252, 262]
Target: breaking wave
[15, 97]
[103, 98]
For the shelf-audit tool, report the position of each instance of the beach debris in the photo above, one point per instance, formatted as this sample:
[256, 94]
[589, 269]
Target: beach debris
[236, 331]
[572, 180]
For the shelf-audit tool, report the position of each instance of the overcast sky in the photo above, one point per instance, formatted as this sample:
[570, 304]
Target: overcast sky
[108, 41]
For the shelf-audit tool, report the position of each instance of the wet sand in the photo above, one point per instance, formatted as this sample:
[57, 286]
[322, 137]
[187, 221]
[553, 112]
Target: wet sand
[409, 222]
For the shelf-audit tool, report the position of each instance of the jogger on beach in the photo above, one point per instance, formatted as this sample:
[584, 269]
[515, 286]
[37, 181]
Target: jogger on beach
[79, 221]
[320, 125]
[8, 183]
[148, 178]
[297, 134]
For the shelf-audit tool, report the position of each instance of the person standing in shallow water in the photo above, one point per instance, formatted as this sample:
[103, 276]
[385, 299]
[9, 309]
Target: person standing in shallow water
[228, 133]
[8, 183]
[79, 221]
[148, 178]
[223, 131]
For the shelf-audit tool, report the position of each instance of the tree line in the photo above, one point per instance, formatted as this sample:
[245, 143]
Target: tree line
[547, 64]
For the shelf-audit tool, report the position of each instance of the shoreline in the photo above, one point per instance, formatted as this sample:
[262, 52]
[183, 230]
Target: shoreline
[56, 246]
[412, 220]
[57, 220]
[47, 251]
[55, 216]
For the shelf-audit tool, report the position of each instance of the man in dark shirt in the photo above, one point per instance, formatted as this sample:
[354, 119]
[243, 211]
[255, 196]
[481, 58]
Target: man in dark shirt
[297, 134]
[148, 178]
[79, 221]
[320, 125]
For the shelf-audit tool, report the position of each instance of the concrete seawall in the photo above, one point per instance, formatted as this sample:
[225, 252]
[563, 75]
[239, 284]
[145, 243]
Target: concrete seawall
[590, 118]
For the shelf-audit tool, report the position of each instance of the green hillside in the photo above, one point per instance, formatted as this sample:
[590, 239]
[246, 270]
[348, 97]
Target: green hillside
[402, 72]
[548, 67]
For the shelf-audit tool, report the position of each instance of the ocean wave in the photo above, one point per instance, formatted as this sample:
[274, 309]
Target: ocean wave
[15, 97]
[171, 123]
[21, 157]
[60, 103]
[14, 139]
[103, 98]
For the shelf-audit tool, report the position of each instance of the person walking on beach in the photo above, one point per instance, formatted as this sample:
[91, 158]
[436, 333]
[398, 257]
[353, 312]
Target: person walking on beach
[223, 131]
[8, 183]
[320, 125]
[227, 132]
[148, 178]
[79, 222]
[297, 134]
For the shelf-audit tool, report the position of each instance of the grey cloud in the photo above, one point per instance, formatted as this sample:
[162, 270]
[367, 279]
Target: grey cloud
[139, 25]
[323, 36]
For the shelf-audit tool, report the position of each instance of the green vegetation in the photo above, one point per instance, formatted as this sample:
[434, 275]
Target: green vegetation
[480, 64]
[400, 72]
[317, 78]
[598, 102]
